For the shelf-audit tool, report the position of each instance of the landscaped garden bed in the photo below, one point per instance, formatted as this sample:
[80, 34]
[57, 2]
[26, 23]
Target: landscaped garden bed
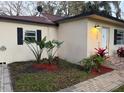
[52, 73]
[27, 78]
[103, 70]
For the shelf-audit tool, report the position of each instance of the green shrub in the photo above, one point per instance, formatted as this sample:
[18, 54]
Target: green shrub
[92, 62]
[98, 61]
[88, 64]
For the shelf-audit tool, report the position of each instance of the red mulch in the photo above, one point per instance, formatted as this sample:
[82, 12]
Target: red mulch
[47, 67]
[53, 68]
[103, 70]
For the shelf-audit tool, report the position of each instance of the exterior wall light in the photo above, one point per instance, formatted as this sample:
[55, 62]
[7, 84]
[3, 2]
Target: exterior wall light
[97, 26]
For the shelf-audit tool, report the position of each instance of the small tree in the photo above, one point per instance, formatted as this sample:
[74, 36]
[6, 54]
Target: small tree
[52, 47]
[36, 47]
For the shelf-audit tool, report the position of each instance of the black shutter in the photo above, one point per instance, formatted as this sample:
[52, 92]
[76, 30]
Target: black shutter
[20, 36]
[39, 35]
[115, 36]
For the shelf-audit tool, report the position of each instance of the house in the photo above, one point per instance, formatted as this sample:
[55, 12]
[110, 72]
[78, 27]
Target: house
[81, 34]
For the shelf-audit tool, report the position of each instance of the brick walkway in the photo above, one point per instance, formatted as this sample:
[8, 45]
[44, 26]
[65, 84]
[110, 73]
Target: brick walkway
[5, 83]
[116, 62]
[103, 83]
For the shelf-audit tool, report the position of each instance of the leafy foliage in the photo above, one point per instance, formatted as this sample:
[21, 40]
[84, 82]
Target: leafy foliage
[120, 52]
[97, 7]
[61, 8]
[101, 52]
[98, 60]
[72, 8]
[94, 61]
[36, 47]
[118, 10]
[88, 64]
[52, 47]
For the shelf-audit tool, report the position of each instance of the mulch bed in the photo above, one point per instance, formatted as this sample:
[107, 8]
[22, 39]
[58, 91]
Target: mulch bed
[32, 76]
[54, 68]
[46, 67]
[103, 70]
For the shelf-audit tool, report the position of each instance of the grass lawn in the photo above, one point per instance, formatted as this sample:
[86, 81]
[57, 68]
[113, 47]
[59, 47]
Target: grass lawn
[120, 89]
[24, 79]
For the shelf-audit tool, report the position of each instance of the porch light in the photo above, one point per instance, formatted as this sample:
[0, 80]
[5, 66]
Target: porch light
[97, 26]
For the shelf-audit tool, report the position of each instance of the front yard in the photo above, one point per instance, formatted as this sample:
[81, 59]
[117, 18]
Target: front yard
[24, 78]
[52, 73]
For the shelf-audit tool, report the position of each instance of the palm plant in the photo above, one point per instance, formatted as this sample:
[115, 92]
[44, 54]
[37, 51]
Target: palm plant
[52, 47]
[36, 47]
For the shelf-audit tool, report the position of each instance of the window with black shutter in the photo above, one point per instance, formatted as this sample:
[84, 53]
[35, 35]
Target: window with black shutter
[118, 37]
[20, 36]
[39, 37]
[32, 36]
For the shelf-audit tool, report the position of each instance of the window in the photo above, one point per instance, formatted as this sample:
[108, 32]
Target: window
[118, 37]
[30, 36]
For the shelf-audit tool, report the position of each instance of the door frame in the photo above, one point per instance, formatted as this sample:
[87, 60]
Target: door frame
[108, 36]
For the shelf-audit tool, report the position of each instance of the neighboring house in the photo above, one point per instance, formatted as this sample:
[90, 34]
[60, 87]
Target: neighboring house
[81, 34]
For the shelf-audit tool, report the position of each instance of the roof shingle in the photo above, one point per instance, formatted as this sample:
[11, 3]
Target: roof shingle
[44, 19]
[53, 19]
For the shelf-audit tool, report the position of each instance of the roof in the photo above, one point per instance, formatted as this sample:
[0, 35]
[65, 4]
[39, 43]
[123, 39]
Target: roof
[91, 14]
[45, 19]
[54, 19]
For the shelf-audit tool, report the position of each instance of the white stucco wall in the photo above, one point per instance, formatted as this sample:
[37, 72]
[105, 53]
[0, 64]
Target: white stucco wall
[92, 36]
[74, 35]
[8, 38]
[79, 39]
